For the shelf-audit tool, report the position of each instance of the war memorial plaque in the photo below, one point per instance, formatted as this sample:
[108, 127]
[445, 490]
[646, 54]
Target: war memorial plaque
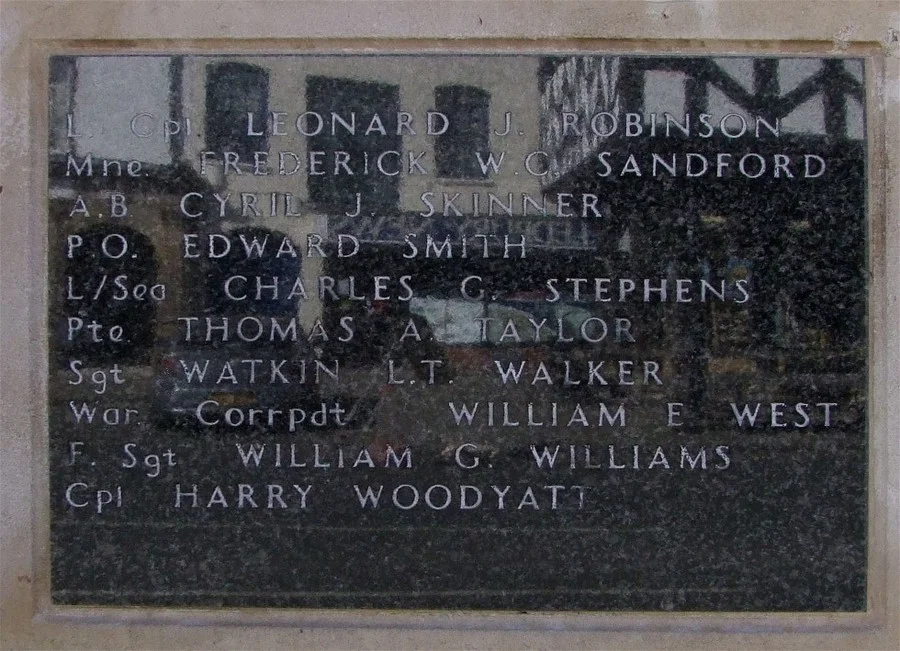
[511, 332]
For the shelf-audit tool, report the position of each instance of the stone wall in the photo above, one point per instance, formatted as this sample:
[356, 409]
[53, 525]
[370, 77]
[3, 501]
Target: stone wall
[32, 29]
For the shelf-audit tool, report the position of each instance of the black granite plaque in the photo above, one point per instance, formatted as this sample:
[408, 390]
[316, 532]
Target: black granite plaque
[458, 332]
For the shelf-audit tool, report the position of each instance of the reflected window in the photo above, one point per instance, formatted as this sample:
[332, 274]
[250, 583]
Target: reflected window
[468, 110]
[232, 90]
[360, 120]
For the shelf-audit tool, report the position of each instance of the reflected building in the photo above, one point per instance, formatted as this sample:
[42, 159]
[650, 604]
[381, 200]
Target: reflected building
[337, 149]
[304, 149]
[797, 235]
[93, 101]
[399, 134]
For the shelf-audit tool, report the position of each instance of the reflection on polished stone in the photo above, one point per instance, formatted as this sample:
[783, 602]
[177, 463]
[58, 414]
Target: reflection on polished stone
[458, 332]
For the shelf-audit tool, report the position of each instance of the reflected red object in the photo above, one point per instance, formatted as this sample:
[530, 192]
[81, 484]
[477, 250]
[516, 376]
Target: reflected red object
[169, 363]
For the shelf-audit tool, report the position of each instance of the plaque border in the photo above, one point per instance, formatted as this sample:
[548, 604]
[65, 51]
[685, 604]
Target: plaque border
[727, 621]
[883, 357]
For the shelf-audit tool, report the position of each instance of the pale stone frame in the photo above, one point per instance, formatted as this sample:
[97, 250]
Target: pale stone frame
[31, 32]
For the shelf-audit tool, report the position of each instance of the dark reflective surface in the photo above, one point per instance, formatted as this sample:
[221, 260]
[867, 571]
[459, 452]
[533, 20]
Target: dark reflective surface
[641, 388]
